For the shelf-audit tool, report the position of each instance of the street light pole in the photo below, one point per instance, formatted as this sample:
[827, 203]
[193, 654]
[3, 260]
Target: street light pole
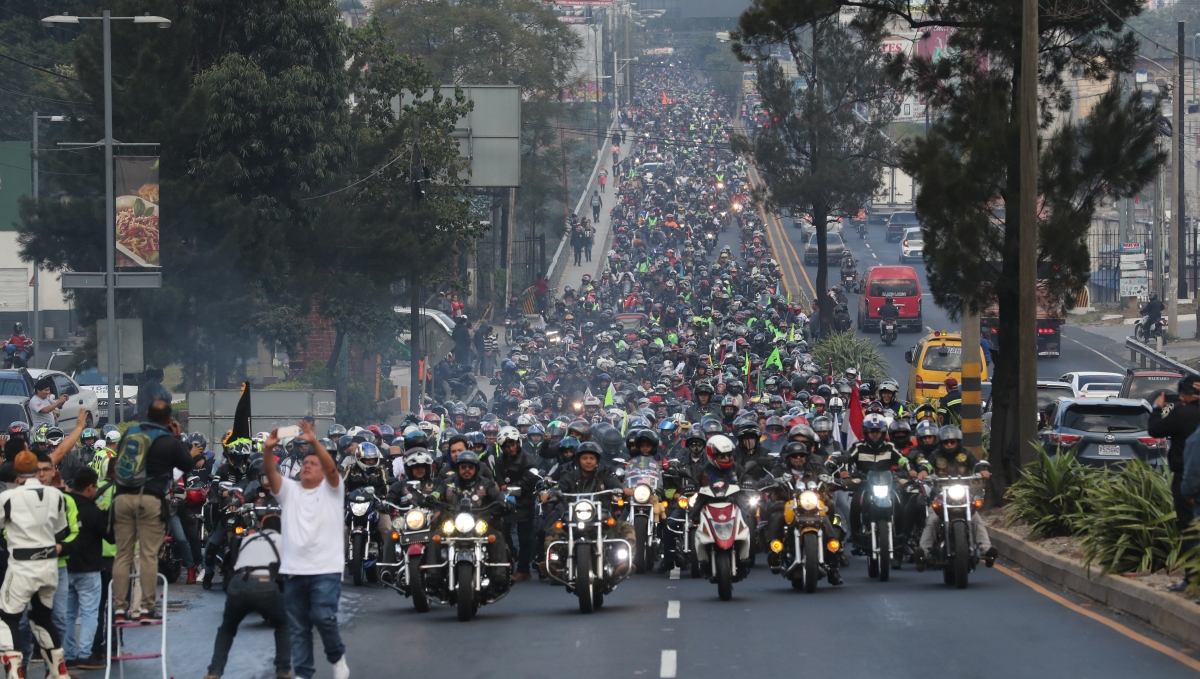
[115, 403]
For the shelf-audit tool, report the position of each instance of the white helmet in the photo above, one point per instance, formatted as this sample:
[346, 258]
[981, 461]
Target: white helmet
[356, 432]
[508, 434]
[418, 456]
[523, 420]
[113, 437]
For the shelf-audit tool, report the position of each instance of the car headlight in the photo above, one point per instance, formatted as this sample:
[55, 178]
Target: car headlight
[448, 527]
[641, 494]
[956, 492]
[464, 522]
[414, 519]
[481, 527]
[359, 508]
[880, 491]
[809, 500]
[584, 511]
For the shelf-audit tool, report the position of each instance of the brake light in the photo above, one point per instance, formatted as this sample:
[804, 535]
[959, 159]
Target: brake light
[1151, 442]
[937, 333]
[1047, 331]
[905, 243]
[1065, 439]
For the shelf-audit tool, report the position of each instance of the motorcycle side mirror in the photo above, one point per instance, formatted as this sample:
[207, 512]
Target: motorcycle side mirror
[620, 461]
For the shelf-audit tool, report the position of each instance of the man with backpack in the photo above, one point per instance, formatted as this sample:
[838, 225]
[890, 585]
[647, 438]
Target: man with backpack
[146, 456]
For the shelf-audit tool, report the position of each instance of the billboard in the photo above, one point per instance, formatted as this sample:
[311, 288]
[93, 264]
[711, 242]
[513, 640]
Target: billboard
[15, 181]
[135, 180]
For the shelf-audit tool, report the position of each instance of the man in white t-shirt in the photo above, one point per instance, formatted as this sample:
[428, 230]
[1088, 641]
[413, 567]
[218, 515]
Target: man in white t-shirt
[43, 408]
[310, 555]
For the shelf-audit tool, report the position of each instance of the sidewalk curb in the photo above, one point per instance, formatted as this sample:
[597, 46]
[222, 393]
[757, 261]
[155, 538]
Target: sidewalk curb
[1175, 616]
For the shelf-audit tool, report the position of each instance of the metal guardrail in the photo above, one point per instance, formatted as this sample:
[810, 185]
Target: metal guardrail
[1145, 356]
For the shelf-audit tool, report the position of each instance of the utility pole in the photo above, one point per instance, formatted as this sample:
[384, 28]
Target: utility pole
[972, 374]
[1026, 410]
[1180, 195]
[416, 361]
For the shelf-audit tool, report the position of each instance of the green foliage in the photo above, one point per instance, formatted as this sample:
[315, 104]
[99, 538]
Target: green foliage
[356, 403]
[719, 64]
[315, 375]
[1049, 494]
[847, 350]
[821, 156]
[45, 80]
[1128, 524]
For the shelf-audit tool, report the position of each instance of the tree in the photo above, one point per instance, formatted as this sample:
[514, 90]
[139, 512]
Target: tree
[968, 167]
[821, 154]
[35, 69]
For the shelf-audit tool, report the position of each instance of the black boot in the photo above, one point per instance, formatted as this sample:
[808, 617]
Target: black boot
[664, 564]
[835, 578]
[919, 559]
[206, 583]
[990, 556]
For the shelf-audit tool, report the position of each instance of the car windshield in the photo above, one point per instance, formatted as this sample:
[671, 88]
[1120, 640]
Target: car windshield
[1145, 386]
[1095, 387]
[1084, 380]
[903, 218]
[11, 412]
[1046, 394]
[897, 287]
[12, 384]
[1106, 418]
[92, 378]
[950, 362]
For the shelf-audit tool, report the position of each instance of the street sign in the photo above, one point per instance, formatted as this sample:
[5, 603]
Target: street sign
[489, 137]
[1131, 248]
[73, 280]
[129, 343]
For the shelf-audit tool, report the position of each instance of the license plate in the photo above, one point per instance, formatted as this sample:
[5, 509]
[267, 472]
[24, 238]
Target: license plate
[1113, 451]
[103, 412]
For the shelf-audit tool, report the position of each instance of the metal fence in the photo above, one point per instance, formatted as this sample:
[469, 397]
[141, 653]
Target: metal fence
[528, 261]
[1104, 246]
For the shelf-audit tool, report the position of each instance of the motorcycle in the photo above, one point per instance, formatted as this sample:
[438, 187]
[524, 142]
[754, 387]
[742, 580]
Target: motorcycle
[813, 538]
[644, 476]
[1147, 331]
[861, 227]
[587, 563]
[362, 521]
[887, 331]
[681, 490]
[876, 539]
[17, 356]
[850, 280]
[955, 550]
[454, 570]
[723, 537]
[233, 514]
[410, 540]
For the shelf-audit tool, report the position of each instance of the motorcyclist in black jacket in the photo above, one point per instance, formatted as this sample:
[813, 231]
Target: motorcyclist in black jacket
[1153, 310]
[797, 463]
[954, 460]
[516, 473]
[236, 470]
[751, 455]
[587, 475]
[467, 482]
[873, 454]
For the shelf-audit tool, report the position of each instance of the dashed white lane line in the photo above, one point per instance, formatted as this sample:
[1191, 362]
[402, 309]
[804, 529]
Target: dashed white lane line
[666, 668]
[672, 609]
[875, 255]
[674, 573]
[1097, 353]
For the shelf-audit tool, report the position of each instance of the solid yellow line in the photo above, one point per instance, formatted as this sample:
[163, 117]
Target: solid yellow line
[1116, 626]
[776, 230]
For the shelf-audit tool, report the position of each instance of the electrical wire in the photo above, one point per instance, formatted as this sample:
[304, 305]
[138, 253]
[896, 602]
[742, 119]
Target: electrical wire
[350, 186]
[37, 68]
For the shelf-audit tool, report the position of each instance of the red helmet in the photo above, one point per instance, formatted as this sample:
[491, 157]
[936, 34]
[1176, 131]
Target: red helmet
[432, 418]
[195, 498]
[817, 400]
[376, 431]
[720, 445]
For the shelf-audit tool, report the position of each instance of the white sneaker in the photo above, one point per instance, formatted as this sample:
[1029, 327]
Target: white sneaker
[340, 669]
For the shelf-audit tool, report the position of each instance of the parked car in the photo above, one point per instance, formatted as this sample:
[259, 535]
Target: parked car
[898, 223]
[14, 409]
[82, 403]
[93, 381]
[1079, 380]
[807, 230]
[1148, 383]
[833, 249]
[1102, 432]
[912, 246]
[1048, 390]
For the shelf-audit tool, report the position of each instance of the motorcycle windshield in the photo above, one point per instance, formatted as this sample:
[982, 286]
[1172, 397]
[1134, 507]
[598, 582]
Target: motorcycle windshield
[723, 530]
[643, 472]
[880, 479]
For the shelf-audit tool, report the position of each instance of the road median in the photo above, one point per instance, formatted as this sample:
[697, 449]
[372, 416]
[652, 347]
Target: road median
[1173, 615]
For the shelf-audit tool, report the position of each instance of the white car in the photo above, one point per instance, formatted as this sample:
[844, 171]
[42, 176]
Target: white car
[1100, 390]
[912, 246]
[96, 383]
[832, 225]
[80, 402]
[1080, 380]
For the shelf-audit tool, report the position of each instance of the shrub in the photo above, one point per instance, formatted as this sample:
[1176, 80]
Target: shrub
[1049, 494]
[847, 350]
[1128, 521]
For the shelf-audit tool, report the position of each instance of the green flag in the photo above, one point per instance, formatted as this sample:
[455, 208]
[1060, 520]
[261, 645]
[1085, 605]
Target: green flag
[747, 369]
[774, 358]
[608, 398]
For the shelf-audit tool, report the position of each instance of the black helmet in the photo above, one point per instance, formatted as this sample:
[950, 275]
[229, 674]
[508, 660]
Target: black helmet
[344, 443]
[646, 436]
[587, 447]
[197, 439]
[926, 428]
[609, 438]
[336, 431]
[748, 429]
[711, 426]
[950, 433]
[794, 449]
[899, 427]
[580, 429]
[467, 457]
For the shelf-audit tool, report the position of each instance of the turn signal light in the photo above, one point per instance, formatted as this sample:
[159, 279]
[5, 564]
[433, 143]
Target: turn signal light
[558, 525]
[937, 504]
[491, 538]
[610, 521]
[239, 530]
[395, 535]
[683, 502]
[437, 537]
[978, 502]
[664, 504]
[833, 545]
[620, 502]
[777, 546]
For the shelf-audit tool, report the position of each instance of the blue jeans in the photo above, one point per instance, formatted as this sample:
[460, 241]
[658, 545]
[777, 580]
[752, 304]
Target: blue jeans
[181, 539]
[83, 604]
[59, 614]
[312, 601]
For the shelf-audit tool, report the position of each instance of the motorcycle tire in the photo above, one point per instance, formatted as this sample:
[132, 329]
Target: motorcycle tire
[584, 587]
[356, 559]
[465, 590]
[883, 535]
[169, 563]
[962, 555]
[597, 599]
[416, 585]
[812, 567]
[723, 565]
[641, 531]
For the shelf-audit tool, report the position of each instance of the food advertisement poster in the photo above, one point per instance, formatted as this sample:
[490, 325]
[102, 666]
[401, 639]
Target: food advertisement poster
[136, 184]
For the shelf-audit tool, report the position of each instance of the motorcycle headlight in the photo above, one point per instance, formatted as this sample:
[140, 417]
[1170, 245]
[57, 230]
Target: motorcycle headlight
[359, 508]
[414, 519]
[880, 491]
[464, 522]
[481, 527]
[809, 500]
[956, 492]
[584, 511]
[754, 501]
[641, 494]
[448, 528]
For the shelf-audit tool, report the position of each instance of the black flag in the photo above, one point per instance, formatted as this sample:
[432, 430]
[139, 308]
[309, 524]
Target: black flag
[241, 419]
